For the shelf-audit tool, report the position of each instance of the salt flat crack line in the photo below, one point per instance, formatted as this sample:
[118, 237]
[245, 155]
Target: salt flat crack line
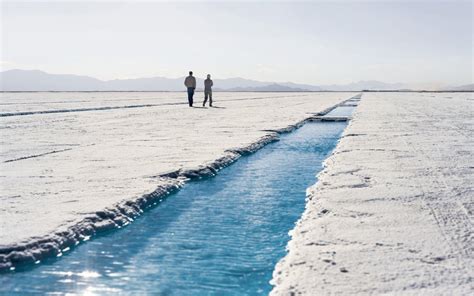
[85, 109]
[37, 155]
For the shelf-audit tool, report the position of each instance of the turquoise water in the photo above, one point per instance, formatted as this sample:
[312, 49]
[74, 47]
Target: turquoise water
[218, 236]
[342, 111]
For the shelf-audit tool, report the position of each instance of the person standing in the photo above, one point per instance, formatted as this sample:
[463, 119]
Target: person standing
[190, 83]
[208, 90]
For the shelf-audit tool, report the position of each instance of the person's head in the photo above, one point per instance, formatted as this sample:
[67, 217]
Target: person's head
[190, 73]
[208, 76]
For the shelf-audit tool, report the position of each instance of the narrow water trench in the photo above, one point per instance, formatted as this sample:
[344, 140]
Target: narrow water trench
[221, 235]
[341, 111]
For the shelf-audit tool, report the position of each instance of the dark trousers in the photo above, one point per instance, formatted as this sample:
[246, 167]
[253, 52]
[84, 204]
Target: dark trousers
[190, 96]
[207, 93]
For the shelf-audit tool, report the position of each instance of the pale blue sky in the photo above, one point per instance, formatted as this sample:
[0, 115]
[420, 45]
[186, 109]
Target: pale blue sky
[307, 42]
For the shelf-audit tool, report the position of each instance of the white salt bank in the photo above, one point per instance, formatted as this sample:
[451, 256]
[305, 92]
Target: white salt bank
[392, 210]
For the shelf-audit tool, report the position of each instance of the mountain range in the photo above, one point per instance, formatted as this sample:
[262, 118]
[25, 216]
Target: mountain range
[35, 80]
[467, 87]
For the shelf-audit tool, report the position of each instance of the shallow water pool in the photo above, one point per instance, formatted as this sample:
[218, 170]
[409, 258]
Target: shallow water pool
[341, 111]
[221, 235]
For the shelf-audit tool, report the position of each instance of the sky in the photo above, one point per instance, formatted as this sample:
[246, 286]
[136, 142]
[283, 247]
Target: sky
[314, 42]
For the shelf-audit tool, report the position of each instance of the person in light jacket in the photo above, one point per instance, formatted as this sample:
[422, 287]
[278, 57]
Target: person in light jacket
[190, 83]
[208, 90]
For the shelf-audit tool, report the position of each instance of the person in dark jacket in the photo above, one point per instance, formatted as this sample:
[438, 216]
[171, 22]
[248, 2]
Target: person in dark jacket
[190, 83]
[208, 90]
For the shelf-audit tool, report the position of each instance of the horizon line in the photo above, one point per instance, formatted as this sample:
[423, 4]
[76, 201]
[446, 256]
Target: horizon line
[238, 77]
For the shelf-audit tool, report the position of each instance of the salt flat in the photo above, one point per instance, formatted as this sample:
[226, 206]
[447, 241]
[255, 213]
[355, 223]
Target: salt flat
[392, 211]
[58, 168]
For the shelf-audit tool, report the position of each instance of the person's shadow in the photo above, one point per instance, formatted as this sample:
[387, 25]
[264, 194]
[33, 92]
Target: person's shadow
[216, 107]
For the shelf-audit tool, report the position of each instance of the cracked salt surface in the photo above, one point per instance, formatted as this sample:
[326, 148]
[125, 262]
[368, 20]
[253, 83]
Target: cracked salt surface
[65, 175]
[392, 211]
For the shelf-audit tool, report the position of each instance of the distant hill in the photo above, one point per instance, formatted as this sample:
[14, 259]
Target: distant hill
[467, 87]
[367, 84]
[271, 87]
[35, 80]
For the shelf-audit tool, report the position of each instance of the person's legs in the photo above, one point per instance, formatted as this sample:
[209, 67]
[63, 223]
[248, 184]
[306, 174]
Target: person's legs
[205, 98]
[210, 98]
[190, 96]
